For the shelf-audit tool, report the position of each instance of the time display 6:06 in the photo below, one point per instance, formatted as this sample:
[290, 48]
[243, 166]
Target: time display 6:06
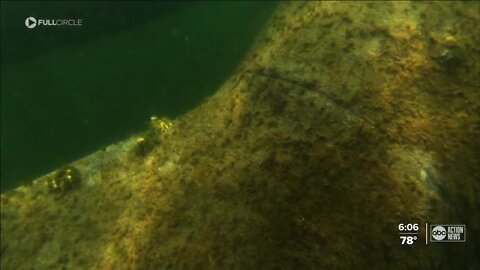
[408, 227]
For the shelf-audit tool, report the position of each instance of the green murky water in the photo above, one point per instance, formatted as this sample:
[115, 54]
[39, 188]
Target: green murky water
[67, 91]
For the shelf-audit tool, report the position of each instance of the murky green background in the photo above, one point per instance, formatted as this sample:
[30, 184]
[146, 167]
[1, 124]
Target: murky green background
[69, 91]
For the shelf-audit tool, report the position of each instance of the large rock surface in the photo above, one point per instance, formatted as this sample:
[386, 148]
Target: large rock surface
[343, 121]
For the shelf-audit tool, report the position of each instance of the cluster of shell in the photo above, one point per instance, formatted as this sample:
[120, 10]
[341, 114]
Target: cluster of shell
[158, 127]
[63, 180]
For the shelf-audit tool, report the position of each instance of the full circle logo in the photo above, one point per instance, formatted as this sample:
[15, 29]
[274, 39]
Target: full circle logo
[439, 233]
[30, 22]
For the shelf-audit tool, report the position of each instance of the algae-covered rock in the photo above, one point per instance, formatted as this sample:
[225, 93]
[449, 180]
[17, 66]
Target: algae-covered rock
[345, 120]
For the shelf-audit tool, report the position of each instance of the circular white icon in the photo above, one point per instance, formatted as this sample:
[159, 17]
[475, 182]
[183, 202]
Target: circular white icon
[30, 22]
[439, 233]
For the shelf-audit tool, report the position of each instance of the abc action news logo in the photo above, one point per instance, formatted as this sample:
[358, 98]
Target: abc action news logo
[32, 22]
[447, 233]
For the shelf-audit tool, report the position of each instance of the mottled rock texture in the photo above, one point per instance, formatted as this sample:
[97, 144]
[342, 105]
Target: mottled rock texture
[343, 121]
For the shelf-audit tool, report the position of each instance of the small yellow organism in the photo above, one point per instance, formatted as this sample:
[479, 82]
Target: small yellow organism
[64, 179]
[152, 137]
[142, 146]
[162, 124]
[451, 41]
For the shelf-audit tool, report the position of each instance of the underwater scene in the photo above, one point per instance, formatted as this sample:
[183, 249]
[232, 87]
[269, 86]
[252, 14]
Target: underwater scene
[240, 135]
